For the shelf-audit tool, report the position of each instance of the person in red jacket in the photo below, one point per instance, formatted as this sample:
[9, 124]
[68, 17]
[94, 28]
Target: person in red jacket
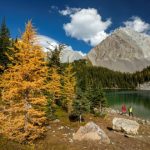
[124, 110]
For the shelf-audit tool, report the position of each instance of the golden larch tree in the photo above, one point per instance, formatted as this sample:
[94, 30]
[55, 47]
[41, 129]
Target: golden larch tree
[54, 84]
[23, 116]
[68, 90]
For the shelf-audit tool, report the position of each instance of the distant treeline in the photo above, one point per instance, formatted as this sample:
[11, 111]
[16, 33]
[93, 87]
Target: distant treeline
[87, 74]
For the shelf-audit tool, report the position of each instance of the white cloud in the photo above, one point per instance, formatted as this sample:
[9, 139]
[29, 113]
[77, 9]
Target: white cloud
[137, 24]
[68, 11]
[86, 25]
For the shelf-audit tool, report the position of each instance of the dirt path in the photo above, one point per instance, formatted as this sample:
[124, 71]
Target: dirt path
[59, 137]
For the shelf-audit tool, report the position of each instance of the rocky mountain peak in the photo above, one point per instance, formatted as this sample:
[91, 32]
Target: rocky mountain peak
[124, 50]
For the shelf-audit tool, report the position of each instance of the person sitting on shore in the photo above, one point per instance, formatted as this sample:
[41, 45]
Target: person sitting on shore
[130, 111]
[124, 110]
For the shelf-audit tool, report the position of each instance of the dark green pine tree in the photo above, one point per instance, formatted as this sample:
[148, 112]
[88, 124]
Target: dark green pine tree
[5, 44]
[96, 97]
[53, 62]
[81, 104]
[53, 56]
[99, 100]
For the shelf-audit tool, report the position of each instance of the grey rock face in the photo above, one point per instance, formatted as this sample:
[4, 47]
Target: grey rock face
[67, 55]
[125, 125]
[124, 50]
[91, 132]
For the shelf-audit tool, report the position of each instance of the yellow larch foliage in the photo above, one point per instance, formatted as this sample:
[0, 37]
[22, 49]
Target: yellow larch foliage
[69, 84]
[23, 116]
[54, 84]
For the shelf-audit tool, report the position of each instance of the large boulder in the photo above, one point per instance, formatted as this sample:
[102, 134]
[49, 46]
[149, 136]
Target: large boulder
[126, 125]
[91, 132]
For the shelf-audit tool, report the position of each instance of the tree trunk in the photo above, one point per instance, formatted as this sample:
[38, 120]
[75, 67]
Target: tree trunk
[69, 108]
[26, 106]
[100, 107]
[80, 118]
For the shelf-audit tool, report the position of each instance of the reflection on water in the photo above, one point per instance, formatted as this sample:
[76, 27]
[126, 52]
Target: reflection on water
[139, 100]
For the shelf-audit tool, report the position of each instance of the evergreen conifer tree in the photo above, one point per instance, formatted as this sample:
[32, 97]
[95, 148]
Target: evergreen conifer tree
[97, 98]
[53, 56]
[81, 104]
[53, 80]
[5, 44]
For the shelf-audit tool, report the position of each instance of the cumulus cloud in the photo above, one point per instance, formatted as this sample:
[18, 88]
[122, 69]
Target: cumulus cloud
[86, 25]
[137, 24]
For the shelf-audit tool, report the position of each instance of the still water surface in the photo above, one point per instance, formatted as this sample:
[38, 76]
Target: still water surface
[139, 100]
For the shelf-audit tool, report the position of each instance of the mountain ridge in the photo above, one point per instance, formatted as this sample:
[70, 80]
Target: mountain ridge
[67, 54]
[124, 50]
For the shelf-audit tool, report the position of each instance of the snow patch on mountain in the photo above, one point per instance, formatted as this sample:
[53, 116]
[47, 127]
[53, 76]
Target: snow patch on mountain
[67, 54]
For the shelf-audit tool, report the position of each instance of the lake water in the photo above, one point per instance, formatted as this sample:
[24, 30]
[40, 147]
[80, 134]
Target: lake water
[139, 100]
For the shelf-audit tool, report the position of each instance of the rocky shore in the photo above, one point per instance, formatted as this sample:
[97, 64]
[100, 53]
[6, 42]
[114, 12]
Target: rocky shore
[144, 86]
[139, 120]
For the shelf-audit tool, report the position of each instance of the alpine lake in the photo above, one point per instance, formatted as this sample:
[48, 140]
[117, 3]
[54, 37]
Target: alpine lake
[138, 99]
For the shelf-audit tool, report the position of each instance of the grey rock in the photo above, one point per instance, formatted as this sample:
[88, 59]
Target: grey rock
[56, 121]
[67, 127]
[69, 55]
[125, 125]
[144, 86]
[142, 121]
[48, 127]
[91, 132]
[70, 140]
[61, 128]
[147, 122]
[113, 111]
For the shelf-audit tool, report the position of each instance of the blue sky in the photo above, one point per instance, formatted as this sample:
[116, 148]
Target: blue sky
[79, 23]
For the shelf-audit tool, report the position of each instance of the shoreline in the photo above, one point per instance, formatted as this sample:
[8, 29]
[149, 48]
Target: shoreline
[142, 87]
[135, 89]
[117, 112]
[145, 86]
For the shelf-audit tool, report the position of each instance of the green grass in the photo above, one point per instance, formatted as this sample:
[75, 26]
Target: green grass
[62, 115]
